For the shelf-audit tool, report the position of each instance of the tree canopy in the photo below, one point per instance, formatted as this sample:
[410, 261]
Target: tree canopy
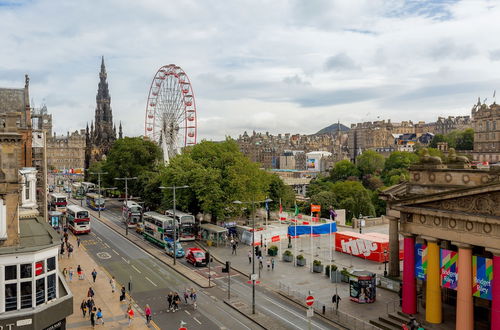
[460, 140]
[343, 170]
[370, 162]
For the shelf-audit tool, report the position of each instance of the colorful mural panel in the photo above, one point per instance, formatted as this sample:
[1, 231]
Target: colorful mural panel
[449, 270]
[482, 276]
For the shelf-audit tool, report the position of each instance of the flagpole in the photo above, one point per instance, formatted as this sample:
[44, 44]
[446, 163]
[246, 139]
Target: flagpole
[311, 247]
[330, 239]
[295, 245]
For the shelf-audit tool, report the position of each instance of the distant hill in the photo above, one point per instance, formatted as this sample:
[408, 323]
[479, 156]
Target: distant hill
[333, 129]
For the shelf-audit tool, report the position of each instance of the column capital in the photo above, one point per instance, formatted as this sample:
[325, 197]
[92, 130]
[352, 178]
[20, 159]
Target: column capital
[430, 239]
[461, 245]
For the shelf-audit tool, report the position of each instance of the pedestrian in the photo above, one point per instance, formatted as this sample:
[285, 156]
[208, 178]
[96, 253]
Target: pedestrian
[92, 317]
[147, 311]
[65, 272]
[112, 282]
[83, 307]
[62, 250]
[193, 297]
[99, 316]
[260, 263]
[336, 299]
[94, 275]
[170, 298]
[130, 314]
[90, 304]
[268, 262]
[90, 293]
[272, 264]
[70, 274]
[122, 295]
[78, 241]
[249, 257]
[70, 251]
[176, 301]
[235, 245]
[79, 271]
[186, 295]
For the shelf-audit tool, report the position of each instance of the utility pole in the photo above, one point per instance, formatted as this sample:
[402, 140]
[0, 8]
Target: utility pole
[99, 188]
[126, 192]
[174, 187]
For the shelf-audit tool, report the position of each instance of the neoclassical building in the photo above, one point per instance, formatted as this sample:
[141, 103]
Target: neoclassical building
[449, 216]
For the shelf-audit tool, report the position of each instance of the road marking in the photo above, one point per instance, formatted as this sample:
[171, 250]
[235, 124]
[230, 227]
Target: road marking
[116, 252]
[103, 255]
[125, 260]
[196, 320]
[136, 269]
[106, 245]
[99, 238]
[187, 312]
[151, 282]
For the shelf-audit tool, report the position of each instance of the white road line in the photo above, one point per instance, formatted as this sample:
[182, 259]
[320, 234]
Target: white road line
[187, 312]
[125, 260]
[116, 252]
[99, 238]
[194, 318]
[136, 269]
[151, 282]
[106, 244]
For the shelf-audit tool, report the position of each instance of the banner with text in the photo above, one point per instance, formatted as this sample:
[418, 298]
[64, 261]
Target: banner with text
[421, 261]
[482, 275]
[449, 269]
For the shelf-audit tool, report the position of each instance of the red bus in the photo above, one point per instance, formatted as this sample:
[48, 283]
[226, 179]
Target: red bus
[58, 202]
[78, 220]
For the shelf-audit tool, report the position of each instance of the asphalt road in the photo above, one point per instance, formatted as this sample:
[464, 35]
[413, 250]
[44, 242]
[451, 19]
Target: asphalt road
[152, 280]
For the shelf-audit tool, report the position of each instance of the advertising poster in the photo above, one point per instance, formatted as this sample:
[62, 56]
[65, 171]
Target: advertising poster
[482, 275]
[421, 261]
[311, 163]
[449, 269]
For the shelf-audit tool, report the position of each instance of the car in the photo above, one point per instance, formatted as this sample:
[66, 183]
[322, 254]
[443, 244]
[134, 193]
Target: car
[196, 256]
[169, 248]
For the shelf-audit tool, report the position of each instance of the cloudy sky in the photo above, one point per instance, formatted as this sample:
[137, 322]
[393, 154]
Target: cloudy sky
[278, 66]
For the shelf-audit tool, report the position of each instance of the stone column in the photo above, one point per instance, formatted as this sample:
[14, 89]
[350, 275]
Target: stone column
[433, 312]
[409, 305]
[465, 305]
[495, 291]
[394, 270]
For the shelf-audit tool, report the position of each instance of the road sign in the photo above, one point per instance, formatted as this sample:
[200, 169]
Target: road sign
[254, 277]
[309, 300]
[183, 328]
[310, 312]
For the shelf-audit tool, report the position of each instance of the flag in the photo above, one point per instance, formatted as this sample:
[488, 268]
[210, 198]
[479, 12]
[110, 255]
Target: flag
[296, 210]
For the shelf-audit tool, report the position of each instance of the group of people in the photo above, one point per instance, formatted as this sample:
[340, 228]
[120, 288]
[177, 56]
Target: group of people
[66, 245]
[88, 307]
[174, 300]
[412, 324]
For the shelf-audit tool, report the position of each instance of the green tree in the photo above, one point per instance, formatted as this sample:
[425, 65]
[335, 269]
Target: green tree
[465, 140]
[325, 199]
[318, 185]
[436, 139]
[370, 162]
[400, 159]
[343, 170]
[278, 190]
[354, 198]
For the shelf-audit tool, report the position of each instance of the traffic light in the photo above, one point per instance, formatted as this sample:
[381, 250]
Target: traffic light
[207, 257]
[226, 269]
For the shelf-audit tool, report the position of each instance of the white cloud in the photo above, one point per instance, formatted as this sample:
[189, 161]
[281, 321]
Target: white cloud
[281, 66]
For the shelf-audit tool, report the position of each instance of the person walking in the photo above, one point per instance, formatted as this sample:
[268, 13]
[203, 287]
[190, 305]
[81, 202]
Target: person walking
[70, 274]
[94, 274]
[147, 311]
[90, 305]
[79, 271]
[193, 297]
[122, 295]
[112, 282]
[260, 263]
[83, 307]
[130, 314]
[90, 293]
[99, 316]
[186, 296]
[65, 272]
[268, 262]
[249, 257]
[272, 264]
[336, 300]
[170, 300]
[176, 301]
[78, 241]
[70, 250]
[234, 245]
[92, 317]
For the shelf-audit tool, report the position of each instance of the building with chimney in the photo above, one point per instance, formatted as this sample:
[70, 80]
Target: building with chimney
[486, 122]
[102, 133]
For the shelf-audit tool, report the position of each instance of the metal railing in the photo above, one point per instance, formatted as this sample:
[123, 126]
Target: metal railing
[327, 309]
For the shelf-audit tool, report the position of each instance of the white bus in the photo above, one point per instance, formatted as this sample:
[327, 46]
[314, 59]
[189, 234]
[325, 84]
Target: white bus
[78, 220]
[77, 190]
[58, 202]
[186, 224]
[89, 187]
[95, 201]
[157, 227]
[131, 213]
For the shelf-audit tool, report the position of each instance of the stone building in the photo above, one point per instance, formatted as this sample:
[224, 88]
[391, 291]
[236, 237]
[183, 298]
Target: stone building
[449, 217]
[33, 293]
[445, 125]
[486, 122]
[66, 152]
[102, 133]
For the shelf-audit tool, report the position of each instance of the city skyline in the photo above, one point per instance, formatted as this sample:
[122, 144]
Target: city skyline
[286, 68]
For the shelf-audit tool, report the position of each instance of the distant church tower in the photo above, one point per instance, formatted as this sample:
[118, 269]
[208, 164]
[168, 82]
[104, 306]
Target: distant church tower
[102, 133]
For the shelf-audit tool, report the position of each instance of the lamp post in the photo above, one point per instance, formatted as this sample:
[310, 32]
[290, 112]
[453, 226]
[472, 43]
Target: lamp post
[385, 263]
[253, 245]
[99, 187]
[174, 187]
[126, 192]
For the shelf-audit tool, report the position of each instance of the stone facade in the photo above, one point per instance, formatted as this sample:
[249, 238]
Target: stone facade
[445, 125]
[486, 122]
[66, 152]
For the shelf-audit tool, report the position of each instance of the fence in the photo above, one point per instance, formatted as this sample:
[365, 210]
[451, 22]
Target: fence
[327, 309]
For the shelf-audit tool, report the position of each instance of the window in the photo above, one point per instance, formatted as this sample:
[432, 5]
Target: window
[27, 189]
[10, 272]
[26, 294]
[10, 297]
[26, 270]
[40, 291]
[51, 287]
[51, 264]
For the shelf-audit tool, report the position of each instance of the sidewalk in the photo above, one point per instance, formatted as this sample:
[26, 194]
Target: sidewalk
[113, 311]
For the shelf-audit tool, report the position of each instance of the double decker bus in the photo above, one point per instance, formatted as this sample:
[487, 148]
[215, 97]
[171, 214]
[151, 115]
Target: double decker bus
[157, 227]
[186, 224]
[77, 190]
[95, 201]
[88, 187]
[78, 220]
[131, 213]
[58, 202]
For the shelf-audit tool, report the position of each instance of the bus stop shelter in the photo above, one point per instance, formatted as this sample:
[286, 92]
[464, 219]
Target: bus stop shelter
[213, 234]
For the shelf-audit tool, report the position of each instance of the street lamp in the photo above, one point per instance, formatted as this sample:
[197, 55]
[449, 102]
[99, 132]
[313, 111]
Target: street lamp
[385, 263]
[253, 244]
[126, 191]
[174, 187]
[99, 187]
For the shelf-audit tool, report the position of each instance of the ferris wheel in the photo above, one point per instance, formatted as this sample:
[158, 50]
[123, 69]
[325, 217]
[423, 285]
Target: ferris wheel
[171, 111]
